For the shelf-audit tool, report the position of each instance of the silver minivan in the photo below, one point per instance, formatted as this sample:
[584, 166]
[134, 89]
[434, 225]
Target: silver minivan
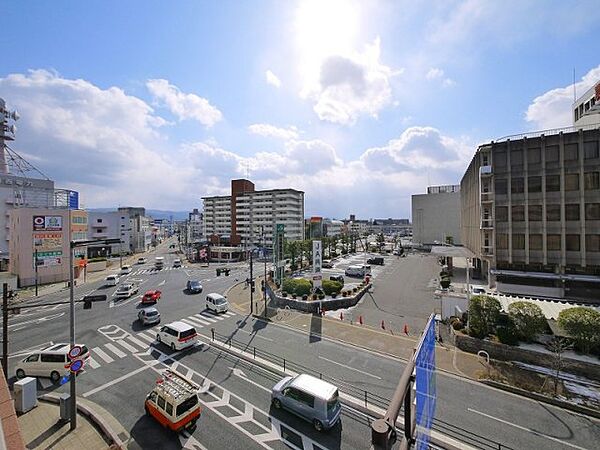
[310, 398]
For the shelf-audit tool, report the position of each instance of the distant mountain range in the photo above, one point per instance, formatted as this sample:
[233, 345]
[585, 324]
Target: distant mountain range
[154, 213]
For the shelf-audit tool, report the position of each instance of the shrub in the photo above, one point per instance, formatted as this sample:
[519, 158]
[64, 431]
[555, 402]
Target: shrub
[508, 334]
[315, 296]
[583, 325]
[96, 259]
[483, 315]
[284, 294]
[330, 286]
[298, 286]
[294, 296]
[305, 297]
[355, 290]
[321, 296]
[293, 267]
[334, 294]
[345, 293]
[527, 319]
[457, 324]
[445, 283]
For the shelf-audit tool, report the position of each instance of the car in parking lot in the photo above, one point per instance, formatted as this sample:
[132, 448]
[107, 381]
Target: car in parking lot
[377, 260]
[327, 264]
[339, 278]
[49, 362]
[151, 296]
[149, 316]
[478, 290]
[194, 287]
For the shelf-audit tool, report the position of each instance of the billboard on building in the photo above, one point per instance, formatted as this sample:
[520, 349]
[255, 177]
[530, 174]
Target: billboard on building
[73, 200]
[317, 262]
[46, 259]
[47, 223]
[47, 241]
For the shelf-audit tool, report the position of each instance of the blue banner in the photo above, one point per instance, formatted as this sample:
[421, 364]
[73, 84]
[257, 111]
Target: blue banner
[426, 392]
[73, 200]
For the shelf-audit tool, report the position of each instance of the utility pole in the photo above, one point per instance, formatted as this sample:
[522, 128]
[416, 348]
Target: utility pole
[36, 272]
[251, 284]
[5, 329]
[262, 232]
[73, 392]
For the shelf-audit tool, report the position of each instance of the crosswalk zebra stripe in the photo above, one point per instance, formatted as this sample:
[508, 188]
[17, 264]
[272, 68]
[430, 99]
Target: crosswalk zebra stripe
[98, 351]
[145, 337]
[189, 322]
[229, 314]
[126, 346]
[115, 350]
[174, 365]
[203, 322]
[189, 374]
[206, 318]
[137, 342]
[92, 363]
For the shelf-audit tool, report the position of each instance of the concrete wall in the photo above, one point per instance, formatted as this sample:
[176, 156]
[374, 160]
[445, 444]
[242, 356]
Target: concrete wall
[312, 306]
[436, 216]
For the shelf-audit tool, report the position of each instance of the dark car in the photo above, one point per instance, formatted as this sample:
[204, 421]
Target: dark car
[339, 278]
[378, 261]
[194, 287]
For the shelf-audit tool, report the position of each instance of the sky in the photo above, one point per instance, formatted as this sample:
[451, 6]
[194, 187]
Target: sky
[360, 104]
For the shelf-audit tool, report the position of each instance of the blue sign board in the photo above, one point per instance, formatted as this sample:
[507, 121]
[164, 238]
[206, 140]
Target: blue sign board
[73, 200]
[426, 393]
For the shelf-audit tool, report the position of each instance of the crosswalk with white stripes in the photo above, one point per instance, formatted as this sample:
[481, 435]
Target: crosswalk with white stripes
[125, 344]
[153, 270]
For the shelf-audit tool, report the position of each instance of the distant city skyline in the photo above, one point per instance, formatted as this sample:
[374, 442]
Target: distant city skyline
[358, 104]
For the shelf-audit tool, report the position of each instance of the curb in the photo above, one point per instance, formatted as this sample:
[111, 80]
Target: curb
[544, 398]
[90, 410]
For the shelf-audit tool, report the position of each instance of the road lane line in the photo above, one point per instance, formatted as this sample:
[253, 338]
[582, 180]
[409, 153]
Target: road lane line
[229, 314]
[255, 335]
[537, 433]
[115, 350]
[98, 351]
[145, 337]
[127, 346]
[348, 367]
[199, 318]
[92, 363]
[206, 318]
[200, 322]
[136, 341]
[118, 380]
[189, 322]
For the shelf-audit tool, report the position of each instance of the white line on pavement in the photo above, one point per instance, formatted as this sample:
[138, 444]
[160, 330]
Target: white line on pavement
[115, 350]
[238, 373]
[208, 318]
[189, 322]
[92, 362]
[348, 367]
[98, 351]
[255, 335]
[537, 433]
[199, 319]
[145, 337]
[117, 380]
[143, 345]
[127, 346]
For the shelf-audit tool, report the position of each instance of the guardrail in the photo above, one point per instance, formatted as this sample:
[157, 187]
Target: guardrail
[369, 398]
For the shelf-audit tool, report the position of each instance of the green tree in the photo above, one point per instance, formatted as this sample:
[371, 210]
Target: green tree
[483, 315]
[380, 241]
[528, 318]
[291, 249]
[583, 325]
[331, 286]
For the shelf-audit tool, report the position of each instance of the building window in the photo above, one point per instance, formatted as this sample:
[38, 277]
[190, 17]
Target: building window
[592, 211]
[500, 159]
[535, 213]
[518, 213]
[502, 241]
[534, 184]
[553, 242]
[500, 186]
[592, 243]
[502, 213]
[576, 114]
[553, 213]
[590, 150]
[572, 212]
[518, 242]
[571, 182]
[534, 155]
[572, 242]
[571, 153]
[516, 157]
[552, 183]
[99, 220]
[591, 181]
[552, 153]
[517, 185]
[535, 242]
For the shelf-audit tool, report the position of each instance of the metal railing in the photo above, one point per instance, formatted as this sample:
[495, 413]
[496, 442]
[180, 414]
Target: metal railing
[368, 398]
[534, 134]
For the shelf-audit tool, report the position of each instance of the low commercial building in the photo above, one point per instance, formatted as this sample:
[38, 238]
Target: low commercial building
[129, 224]
[436, 216]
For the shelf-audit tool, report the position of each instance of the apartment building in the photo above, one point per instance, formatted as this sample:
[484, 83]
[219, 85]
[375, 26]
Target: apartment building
[436, 215]
[530, 211]
[247, 215]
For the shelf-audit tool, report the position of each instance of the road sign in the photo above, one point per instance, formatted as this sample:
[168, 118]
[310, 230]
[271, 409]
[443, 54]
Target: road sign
[76, 366]
[426, 390]
[75, 352]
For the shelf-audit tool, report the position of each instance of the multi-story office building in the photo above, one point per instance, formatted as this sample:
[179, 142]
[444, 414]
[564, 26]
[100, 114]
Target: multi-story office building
[436, 215]
[128, 224]
[531, 213]
[248, 215]
[586, 109]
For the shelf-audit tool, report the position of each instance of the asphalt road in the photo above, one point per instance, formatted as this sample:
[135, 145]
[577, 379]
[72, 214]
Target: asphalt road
[235, 398]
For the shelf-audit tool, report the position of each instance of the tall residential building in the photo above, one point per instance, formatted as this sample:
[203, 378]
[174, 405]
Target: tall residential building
[436, 215]
[531, 213]
[243, 216]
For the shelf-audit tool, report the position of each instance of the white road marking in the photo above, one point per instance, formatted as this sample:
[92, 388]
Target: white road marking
[115, 350]
[145, 337]
[189, 322]
[255, 334]
[162, 283]
[127, 346]
[39, 320]
[92, 363]
[118, 380]
[190, 443]
[189, 373]
[537, 433]
[136, 341]
[238, 373]
[348, 367]
[198, 322]
[174, 366]
[98, 351]
[229, 314]
[199, 318]
[207, 318]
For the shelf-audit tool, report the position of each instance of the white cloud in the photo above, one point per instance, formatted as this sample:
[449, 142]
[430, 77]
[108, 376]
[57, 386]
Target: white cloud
[184, 106]
[267, 130]
[272, 79]
[553, 108]
[434, 73]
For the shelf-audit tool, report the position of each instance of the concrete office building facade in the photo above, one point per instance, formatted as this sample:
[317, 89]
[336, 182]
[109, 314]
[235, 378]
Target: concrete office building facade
[436, 215]
[530, 210]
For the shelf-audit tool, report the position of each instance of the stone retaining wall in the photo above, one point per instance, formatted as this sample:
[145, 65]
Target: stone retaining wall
[312, 306]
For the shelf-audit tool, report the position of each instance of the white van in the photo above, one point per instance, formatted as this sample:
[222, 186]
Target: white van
[112, 280]
[159, 262]
[217, 303]
[177, 335]
[49, 362]
[355, 271]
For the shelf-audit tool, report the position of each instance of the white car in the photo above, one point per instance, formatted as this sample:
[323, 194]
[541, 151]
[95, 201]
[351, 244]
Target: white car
[49, 362]
[125, 270]
[177, 263]
[142, 261]
[112, 280]
[177, 335]
[126, 290]
[478, 290]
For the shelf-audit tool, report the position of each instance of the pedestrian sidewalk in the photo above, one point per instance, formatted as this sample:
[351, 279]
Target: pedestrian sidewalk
[390, 342]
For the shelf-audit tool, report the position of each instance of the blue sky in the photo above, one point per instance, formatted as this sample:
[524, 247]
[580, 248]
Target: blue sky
[359, 104]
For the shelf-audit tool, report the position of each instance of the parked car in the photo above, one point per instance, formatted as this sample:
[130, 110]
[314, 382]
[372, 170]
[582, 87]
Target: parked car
[142, 260]
[126, 290]
[217, 303]
[327, 264]
[151, 296]
[177, 263]
[338, 277]
[48, 362]
[149, 316]
[378, 260]
[478, 290]
[355, 271]
[194, 287]
[125, 270]
[177, 335]
[112, 280]
[310, 398]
